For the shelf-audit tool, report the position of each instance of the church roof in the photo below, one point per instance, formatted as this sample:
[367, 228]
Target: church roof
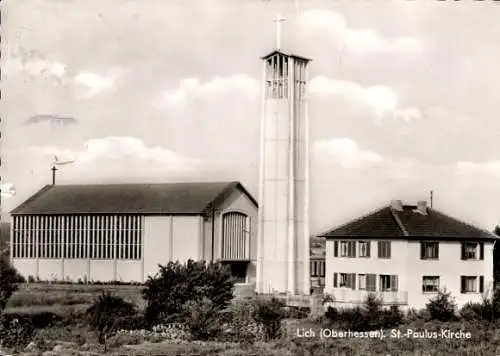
[164, 198]
[280, 51]
[408, 223]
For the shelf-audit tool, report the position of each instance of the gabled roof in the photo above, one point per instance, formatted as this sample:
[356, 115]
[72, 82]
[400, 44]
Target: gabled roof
[279, 51]
[387, 222]
[165, 198]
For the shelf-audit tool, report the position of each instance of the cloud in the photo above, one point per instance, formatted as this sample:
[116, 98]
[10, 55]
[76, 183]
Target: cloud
[116, 147]
[344, 152]
[120, 150]
[381, 99]
[191, 89]
[94, 83]
[478, 168]
[7, 189]
[35, 67]
[356, 40]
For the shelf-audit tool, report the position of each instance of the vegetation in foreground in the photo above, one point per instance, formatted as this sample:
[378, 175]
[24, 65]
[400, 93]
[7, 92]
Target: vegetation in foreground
[189, 309]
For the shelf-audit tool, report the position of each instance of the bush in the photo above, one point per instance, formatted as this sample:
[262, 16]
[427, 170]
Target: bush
[176, 284]
[107, 314]
[476, 311]
[442, 307]
[371, 316]
[202, 319]
[39, 320]
[15, 332]
[9, 277]
[242, 323]
[270, 313]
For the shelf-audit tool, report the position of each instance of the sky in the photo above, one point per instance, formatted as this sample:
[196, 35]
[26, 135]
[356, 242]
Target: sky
[403, 98]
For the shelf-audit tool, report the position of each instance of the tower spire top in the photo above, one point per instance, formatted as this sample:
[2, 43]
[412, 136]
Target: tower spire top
[278, 19]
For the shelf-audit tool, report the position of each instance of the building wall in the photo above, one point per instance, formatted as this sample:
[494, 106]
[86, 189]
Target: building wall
[164, 238]
[405, 262]
[365, 265]
[170, 238]
[449, 267]
[236, 202]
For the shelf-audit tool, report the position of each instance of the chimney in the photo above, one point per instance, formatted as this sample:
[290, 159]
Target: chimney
[422, 207]
[397, 205]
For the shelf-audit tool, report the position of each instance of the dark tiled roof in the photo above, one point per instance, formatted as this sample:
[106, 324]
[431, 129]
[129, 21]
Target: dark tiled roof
[167, 198]
[389, 223]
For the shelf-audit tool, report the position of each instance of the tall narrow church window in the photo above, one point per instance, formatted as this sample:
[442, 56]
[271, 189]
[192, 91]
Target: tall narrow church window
[235, 235]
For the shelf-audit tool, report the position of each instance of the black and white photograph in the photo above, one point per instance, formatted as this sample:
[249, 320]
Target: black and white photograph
[251, 177]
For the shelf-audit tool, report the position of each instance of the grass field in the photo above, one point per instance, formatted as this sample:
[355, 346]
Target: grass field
[65, 299]
[63, 295]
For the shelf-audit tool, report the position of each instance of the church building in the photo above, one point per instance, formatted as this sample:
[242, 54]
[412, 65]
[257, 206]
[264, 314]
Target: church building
[121, 232]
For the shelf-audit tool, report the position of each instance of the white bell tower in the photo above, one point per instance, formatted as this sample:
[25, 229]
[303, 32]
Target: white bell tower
[283, 236]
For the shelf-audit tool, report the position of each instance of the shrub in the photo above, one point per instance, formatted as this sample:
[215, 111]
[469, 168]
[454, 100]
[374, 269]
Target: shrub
[9, 277]
[176, 284]
[106, 315]
[242, 323]
[442, 307]
[370, 316]
[15, 332]
[475, 311]
[39, 320]
[202, 319]
[270, 313]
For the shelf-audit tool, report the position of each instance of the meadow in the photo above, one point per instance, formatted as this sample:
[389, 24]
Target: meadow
[67, 333]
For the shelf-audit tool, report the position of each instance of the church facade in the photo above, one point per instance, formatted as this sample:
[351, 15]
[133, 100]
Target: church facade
[122, 232]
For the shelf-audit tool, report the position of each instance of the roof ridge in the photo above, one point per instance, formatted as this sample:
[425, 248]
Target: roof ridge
[352, 221]
[399, 222]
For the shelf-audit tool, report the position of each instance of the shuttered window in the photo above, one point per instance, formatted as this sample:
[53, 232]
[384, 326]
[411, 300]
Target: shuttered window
[347, 280]
[347, 248]
[388, 283]
[384, 249]
[429, 250]
[364, 248]
[371, 282]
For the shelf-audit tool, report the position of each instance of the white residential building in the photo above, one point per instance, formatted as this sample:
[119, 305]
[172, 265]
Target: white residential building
[405, 254]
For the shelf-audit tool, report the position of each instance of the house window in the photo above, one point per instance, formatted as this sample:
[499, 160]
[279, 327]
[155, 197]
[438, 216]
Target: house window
[430, 284]
[429, 250]
[345, 280]
[471, 284]
[472, 251]
[384, 249]
[347, 248]
[314, 272]
[371, 282]
[317, 268]
[388, 283]
[362, 281]
[364, 249]
[321, 268]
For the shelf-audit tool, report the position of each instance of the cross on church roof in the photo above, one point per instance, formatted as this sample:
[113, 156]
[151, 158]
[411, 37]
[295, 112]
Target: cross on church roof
[278, 19]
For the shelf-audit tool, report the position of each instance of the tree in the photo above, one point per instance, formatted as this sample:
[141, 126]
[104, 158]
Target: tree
[442, 307]
[176, 284]
[107, 314]
[496, 258]
[9, 277]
